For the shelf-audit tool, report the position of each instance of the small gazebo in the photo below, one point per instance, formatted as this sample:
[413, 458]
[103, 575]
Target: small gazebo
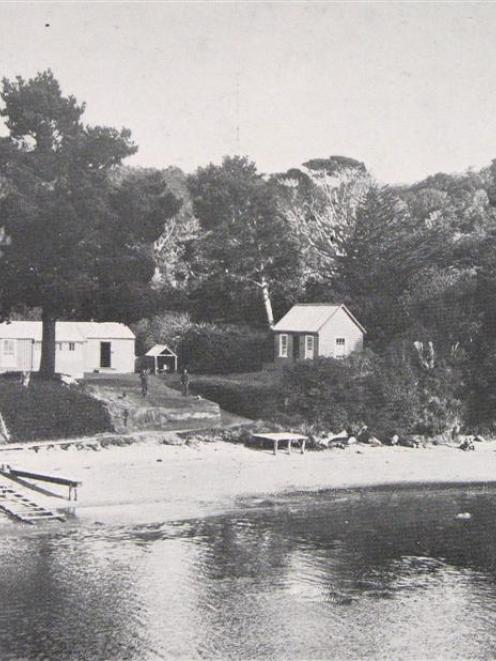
[162, 359]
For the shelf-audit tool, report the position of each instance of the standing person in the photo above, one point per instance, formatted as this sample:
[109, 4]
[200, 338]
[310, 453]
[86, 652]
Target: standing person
[455, 433]
[144, 382]
[185, 383]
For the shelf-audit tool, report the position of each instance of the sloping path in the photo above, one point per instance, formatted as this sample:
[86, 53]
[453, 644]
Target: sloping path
[162, 409]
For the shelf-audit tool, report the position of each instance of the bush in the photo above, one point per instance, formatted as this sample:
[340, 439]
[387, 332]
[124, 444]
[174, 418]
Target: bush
[49, 410]
[330, 393]
[248, 400]
[205, 348]
[395, 406]
[211, 349]
[392, 393]
[166, 328]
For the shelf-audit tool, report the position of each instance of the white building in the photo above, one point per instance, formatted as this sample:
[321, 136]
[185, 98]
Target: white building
[79, 347]
[311, 330]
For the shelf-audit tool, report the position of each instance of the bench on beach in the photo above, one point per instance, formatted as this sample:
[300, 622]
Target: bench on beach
[53, 479]
[275, 438]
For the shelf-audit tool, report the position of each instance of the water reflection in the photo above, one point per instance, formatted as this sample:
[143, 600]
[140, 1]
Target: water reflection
[382, 574]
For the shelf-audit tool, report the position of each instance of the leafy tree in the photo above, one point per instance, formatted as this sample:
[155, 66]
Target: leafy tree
[165, 328]
[481, 371]
[246, 240]
[335, 165]
[321, 201]
[74, 242]
[379, 258]
[174, 248]
[360, 243]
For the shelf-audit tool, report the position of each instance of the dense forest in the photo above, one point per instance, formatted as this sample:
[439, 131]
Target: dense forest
[206, 261]
[415, 263]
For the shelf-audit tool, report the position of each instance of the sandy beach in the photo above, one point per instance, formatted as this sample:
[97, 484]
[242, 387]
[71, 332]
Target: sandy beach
[151, 482]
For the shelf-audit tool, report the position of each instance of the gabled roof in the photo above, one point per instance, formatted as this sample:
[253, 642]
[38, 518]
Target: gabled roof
[310, 317]
[158, 349]
[65, 331]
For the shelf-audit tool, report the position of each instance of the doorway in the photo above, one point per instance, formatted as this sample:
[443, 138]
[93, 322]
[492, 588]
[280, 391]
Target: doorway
[105, 354]
[296, 347]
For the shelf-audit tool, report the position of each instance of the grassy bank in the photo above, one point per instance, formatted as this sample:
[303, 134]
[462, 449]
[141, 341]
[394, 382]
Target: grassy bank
[50, 410]
[252, 395]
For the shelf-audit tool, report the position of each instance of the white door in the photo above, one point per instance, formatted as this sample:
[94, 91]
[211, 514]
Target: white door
[309, 346]
[340, 350]
[9, 354]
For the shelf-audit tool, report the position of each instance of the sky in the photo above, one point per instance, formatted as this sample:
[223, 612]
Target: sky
[409, 87]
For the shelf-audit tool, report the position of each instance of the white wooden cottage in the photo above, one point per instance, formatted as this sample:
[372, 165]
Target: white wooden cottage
[310, 330]
[79, 347]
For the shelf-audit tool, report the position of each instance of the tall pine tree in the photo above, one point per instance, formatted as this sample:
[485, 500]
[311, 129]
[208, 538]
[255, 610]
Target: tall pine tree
[71, 241]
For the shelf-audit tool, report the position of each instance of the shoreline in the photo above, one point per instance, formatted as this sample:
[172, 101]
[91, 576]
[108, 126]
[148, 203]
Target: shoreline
[149, 482]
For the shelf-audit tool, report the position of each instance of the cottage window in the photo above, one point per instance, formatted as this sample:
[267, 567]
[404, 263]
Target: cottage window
[72, 346]
[8, 348]
[283, 346]
[309, 346]
[340, 346]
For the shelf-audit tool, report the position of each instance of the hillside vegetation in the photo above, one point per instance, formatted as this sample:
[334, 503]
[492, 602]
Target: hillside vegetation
[229, 249]
[50, 410]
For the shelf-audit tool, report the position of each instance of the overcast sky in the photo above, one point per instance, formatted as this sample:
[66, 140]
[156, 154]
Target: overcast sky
[409, 88]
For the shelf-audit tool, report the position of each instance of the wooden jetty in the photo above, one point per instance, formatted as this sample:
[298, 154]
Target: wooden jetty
[53, 479]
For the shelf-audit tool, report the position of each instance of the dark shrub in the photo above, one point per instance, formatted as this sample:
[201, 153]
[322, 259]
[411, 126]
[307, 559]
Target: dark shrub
[249, 400]
[481, 391]
[210, 349]
[49, 410]
[394, 407]
[392, 393]
[330, 393]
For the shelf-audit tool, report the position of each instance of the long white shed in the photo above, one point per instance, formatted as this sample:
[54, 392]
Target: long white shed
[79, 347]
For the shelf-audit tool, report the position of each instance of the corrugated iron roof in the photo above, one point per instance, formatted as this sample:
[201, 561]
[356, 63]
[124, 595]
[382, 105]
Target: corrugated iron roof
[32, 330]
[110, 330]
[310, 317]
[65, 331]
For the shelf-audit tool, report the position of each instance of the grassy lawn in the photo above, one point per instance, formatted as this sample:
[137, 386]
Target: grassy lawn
[50, 410]
[251, 394]
[265, 378]
[160, 391]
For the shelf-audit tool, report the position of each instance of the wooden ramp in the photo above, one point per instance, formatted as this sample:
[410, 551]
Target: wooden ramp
[22, 509]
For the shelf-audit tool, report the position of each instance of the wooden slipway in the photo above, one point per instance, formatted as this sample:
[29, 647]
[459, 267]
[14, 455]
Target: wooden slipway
[24, 510]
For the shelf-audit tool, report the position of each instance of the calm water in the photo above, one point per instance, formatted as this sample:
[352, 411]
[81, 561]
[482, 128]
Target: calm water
[382, 574]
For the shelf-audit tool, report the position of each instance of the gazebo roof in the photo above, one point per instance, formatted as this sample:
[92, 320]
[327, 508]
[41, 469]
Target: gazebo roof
[159, 350]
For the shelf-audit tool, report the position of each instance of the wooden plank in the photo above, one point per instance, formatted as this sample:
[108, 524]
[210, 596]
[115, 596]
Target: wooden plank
[44, 478]
[280, 436]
